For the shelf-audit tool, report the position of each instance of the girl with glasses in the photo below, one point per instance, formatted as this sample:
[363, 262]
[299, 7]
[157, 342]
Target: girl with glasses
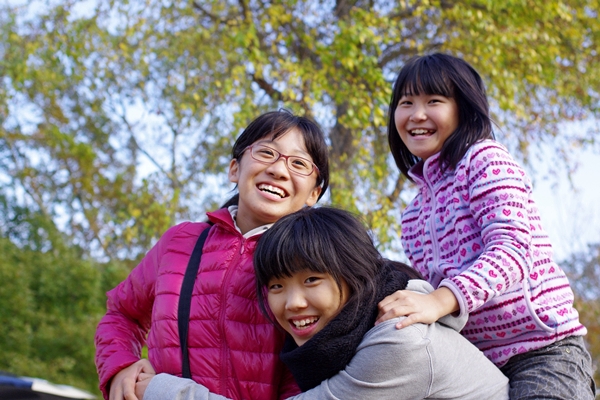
[280, 165]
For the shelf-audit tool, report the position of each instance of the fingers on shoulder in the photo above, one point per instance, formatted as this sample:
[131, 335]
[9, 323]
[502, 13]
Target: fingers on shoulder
[411, 319]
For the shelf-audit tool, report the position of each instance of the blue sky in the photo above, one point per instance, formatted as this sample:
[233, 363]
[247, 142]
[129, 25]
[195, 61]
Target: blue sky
[570, 211]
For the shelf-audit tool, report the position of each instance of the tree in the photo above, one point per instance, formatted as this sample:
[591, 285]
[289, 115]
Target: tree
[51, 299]
[583, 269]
[117, 122]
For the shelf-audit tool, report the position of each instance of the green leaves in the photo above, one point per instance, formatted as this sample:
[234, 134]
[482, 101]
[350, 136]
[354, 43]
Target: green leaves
[50, 304]
[137, 104]
[583, 269]
[118, 123]
[532, 55]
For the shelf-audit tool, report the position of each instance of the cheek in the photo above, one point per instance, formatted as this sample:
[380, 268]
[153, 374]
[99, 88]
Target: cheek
[275, 305]
[271, 302]
[399, 119]
[397, 116]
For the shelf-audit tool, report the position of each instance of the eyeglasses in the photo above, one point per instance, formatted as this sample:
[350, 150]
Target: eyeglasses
[267, 155]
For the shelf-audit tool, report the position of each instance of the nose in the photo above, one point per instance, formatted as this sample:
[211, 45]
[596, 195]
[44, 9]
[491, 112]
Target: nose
[295, 300]
[278, 168]
[418, 113]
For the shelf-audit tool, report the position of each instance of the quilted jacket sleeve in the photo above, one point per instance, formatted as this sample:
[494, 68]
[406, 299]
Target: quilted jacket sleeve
[122, 332]
[288, 386]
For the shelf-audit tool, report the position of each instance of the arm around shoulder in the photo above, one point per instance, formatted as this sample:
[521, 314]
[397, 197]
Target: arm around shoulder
[417, 362]
[388, 364]
[169, 387]
[498, 195]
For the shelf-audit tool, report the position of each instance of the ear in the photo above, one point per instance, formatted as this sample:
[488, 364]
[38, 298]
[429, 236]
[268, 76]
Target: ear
[313, 197]
[234, 170]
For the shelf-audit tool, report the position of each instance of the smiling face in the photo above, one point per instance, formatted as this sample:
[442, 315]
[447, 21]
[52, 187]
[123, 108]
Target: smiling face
[424, 122]
[270, 191]
[304, 303]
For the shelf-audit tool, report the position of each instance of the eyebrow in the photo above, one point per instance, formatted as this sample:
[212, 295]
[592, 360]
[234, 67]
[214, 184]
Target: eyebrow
[271, 143]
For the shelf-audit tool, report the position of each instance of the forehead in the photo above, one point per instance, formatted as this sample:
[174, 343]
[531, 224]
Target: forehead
[291, 141]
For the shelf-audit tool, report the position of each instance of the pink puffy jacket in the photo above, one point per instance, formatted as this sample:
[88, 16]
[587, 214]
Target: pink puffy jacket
[234, 350]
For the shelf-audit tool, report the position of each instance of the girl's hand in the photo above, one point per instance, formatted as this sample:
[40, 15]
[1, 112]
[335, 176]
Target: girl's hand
[417, 307]
[122, 386]
[142, 384]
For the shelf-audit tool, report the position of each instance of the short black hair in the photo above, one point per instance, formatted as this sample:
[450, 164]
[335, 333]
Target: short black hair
[274, 124]
[324, 240]
[448, 76]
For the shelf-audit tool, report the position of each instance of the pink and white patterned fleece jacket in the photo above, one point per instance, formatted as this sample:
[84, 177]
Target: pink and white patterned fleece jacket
[476, 230]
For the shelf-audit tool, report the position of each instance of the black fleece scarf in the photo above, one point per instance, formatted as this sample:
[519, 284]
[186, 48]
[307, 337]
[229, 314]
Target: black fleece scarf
[332, 348]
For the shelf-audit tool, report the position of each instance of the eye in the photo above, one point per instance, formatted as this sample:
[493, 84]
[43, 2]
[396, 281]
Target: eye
[438, 99]
[404, 102]
[312, 279]
[300, 163]
[265, 152]
[275, 287]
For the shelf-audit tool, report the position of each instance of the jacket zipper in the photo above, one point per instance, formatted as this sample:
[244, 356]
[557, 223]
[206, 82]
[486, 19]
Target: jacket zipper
[434, 247]
[224, 349]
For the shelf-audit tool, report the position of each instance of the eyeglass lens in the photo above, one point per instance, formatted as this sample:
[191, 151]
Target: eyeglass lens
[296, 164]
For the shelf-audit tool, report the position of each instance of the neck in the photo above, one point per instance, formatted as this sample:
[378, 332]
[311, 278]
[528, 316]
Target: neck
[247, 230]
[244, 225]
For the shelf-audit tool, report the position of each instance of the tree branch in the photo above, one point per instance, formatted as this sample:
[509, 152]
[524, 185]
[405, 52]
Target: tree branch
[393, 197]
[268, 88]
[210, 15]
[343, 7]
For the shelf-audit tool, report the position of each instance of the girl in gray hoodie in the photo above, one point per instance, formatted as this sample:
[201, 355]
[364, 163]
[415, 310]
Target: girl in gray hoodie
[320, 278]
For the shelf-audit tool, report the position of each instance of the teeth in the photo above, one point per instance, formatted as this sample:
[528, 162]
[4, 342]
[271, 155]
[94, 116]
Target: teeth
[303, 322]
[419, 131]
[272, 189]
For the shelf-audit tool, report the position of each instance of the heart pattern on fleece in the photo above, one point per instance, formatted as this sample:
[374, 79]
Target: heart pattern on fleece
[476, 230]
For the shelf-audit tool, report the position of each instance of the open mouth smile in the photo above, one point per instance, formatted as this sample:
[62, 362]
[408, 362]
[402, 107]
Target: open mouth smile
[304, 323]
[421, 132]
[272, 189]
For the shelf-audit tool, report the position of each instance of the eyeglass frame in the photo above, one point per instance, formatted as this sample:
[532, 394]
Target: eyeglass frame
[281, 155]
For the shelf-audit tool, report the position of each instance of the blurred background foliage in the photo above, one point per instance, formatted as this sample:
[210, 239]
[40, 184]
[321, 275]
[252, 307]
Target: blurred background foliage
[117, 118]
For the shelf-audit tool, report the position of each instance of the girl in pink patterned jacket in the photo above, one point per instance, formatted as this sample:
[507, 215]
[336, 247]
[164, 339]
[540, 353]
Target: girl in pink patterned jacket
[474, 232]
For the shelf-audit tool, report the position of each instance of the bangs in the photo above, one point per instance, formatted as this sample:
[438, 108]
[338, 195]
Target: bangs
[299, 249]
[425, 78]
[281, 129]
[288, 262]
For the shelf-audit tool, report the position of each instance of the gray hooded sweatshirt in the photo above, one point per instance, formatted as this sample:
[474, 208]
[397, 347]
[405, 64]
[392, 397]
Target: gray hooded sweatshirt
[416, 362]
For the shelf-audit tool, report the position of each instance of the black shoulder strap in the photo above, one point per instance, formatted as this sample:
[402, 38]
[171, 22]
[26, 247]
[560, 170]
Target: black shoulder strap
[185, 300]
